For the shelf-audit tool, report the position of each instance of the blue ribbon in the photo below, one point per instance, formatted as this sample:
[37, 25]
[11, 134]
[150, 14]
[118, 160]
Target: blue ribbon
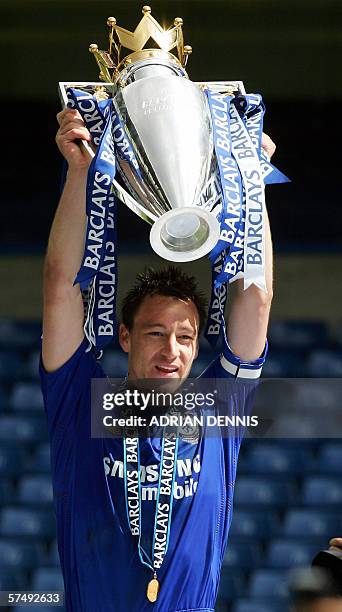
[227, 255]
[98, 272]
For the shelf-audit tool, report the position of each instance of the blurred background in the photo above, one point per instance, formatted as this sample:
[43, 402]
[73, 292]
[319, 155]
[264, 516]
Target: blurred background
[291, 53]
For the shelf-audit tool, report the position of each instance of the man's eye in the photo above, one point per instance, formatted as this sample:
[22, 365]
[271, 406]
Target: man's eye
[155, 333]
[186, 337]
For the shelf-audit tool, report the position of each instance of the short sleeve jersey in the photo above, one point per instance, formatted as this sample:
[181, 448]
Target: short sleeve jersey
[99, 557]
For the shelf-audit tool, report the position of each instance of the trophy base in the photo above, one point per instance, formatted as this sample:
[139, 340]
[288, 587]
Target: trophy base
[184, 234]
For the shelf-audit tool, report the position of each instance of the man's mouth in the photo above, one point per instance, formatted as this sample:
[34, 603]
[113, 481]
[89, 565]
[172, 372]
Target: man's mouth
[167, 370]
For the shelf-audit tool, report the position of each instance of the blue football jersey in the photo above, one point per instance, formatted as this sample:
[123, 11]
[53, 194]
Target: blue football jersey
[99, 556]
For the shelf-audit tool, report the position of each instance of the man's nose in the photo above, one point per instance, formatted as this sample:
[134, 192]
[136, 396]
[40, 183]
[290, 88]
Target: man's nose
[170, 347]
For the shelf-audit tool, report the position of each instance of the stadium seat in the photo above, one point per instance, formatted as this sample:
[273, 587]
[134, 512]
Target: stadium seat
[19, 334]
[221, 605]
[276, 460]
[4, 399]
[17, 554]
[298, 334]
[35, 490]
[324, 363]
[13, 459]
[329, 458]
[259, 605]
[40, 462]
[284, 554]
[27, 396]
[302, 523]
[265, 583]
[20, 428]
[231, 584]
[13, 579]
[114, 364]
[6, 492]
[31, 366]
[248, 524]
[53, 556]
[11, 366]
[254, 491]
[47, 579]
[244, 555]
[17, 522]
[283, 364]
[322, 491]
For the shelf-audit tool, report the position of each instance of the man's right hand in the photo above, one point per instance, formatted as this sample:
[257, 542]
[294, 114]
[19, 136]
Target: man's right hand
[71, 131]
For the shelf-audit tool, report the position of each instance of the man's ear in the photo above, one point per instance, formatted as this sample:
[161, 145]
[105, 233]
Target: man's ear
[124, 338]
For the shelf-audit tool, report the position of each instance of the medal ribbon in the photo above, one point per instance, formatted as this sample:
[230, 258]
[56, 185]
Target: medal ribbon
[163, 512]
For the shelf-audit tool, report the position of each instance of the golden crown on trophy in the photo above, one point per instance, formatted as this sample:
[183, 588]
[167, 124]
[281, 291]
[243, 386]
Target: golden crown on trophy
[111, 62]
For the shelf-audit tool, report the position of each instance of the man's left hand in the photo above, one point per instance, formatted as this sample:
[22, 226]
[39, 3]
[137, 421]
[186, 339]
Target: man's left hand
[267, 145]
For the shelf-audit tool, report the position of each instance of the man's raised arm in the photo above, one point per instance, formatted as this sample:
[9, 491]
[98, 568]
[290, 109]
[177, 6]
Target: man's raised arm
[63, 306]
[250, 309]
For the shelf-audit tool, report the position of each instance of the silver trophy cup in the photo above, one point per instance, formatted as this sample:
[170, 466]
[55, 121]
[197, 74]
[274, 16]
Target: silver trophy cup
[167, 121]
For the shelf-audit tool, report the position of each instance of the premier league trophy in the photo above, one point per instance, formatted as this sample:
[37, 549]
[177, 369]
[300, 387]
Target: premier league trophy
[185, 157]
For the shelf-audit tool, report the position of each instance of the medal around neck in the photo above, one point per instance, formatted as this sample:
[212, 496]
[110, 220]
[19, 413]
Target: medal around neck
[153, 590]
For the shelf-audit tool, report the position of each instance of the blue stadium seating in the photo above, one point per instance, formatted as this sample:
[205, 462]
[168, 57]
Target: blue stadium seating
[329, 459]
[11, 366]
[277, 460]
[27, 396]
[231, 584]
[4, 399]
[6, 491]
[221, 605]
[245, 555]
[247, 524]
[299, 335]
[48, 579]
[19, 334]
[114, 363]
[40, 462]
[20, 428]
[31, 367]
[13, 459]
[282, 363]
[253, 491]
[265, 583]
[303, 523]
[289, 553]
[16, 522]
[53, 556]
[322, 491]
[260, 605]
[323, 363]
[18, 554]
[13, 579]
[35, 490]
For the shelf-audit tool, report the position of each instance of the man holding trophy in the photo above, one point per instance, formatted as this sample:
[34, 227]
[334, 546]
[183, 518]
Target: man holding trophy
[191, 160]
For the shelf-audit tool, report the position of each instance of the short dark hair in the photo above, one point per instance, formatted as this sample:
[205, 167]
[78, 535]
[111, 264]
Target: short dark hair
[169, 282]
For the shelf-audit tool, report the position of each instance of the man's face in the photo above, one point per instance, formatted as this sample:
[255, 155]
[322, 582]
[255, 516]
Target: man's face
[163, 341]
